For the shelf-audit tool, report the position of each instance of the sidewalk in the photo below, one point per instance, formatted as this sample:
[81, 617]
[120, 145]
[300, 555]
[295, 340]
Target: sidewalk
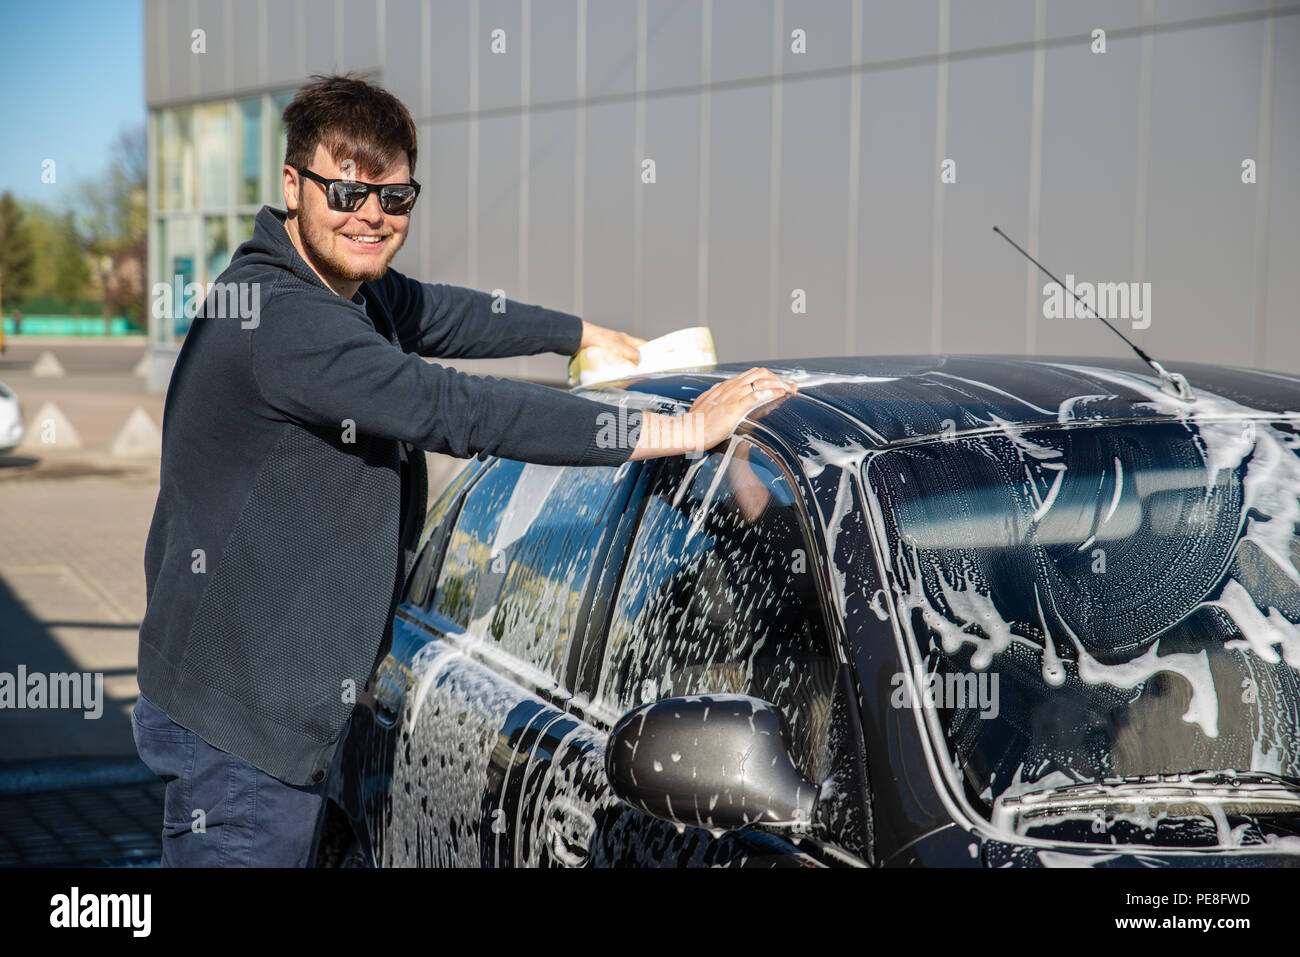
[72, 550]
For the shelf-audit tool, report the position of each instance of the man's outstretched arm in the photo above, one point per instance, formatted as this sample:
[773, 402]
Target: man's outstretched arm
[452, 322]
[319, 364]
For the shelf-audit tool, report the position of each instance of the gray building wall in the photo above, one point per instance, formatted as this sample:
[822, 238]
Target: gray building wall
[820, 171]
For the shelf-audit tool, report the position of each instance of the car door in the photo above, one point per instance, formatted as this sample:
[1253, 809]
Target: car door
[486, 655]
[710, 586]
[562, 759]
[367, 753]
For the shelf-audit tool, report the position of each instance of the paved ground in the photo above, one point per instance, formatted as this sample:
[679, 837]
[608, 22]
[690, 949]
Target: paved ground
[72, 547]
[80, 812]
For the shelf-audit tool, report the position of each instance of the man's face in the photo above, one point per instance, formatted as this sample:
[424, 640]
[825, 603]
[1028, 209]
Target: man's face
[354, 246]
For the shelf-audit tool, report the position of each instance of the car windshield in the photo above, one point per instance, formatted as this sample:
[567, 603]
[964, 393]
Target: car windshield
[1099, 603]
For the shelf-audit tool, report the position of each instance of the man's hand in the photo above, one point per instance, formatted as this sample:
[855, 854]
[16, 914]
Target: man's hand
[616, 344]
[713, 416]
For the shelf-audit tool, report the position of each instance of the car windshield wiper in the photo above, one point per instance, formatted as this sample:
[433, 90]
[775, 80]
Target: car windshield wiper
[1145, 800]
[1247, 778]
[1202, 783]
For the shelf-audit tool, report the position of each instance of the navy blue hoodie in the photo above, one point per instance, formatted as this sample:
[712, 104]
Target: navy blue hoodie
[292, 492]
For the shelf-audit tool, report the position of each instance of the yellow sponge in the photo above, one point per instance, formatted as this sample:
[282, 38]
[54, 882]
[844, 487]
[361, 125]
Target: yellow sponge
[682, 349]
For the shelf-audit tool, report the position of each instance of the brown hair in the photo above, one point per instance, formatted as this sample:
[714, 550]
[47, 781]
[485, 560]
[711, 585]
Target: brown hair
[353, 120]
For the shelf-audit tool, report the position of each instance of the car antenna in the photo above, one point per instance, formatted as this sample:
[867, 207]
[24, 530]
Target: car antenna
[1170, 382]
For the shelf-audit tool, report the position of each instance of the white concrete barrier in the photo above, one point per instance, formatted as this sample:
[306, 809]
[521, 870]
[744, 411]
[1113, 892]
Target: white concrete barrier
[47, 366]
[138, 436]
[49, 428]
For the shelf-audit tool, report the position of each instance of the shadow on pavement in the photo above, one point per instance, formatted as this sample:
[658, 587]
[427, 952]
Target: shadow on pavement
[63, 808]
[29, 643]
[80, 812]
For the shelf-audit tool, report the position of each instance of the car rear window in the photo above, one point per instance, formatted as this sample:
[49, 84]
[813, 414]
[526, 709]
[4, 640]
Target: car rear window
[1124, 599]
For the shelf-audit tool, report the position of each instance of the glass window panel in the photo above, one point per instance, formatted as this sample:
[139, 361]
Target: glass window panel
[248, 177]
[182, 262]
[160, 326]
[275, 186]
[216, 247]
[159, 157]
[243, 229]
[214, 154]
[176, 187]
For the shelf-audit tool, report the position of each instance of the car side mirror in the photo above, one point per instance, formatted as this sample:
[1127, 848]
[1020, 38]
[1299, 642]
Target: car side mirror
[716, 761]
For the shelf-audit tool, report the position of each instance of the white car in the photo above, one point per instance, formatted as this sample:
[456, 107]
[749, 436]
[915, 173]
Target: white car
[11, 419]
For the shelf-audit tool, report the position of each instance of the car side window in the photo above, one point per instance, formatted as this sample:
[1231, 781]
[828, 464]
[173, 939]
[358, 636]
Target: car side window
[522, 553]
[548, 540]
[433, 538]
[719, 595]
[471, 575]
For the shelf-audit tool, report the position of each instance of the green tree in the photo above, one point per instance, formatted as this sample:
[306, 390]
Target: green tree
[113, 213]
[43, 225]
[114, 224]
[70, 271]
[16, 252]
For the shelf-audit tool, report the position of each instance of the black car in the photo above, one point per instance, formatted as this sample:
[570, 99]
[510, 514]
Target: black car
[931, 610]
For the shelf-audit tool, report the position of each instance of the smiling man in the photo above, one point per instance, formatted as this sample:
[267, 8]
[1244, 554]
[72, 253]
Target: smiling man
[293, 483]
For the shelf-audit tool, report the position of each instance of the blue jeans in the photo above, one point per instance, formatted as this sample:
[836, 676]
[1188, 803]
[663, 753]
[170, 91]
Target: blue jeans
[219, 810]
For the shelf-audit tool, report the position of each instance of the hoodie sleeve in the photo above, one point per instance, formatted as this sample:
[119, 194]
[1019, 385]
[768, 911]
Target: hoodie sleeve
[452, 322]
[317, 360]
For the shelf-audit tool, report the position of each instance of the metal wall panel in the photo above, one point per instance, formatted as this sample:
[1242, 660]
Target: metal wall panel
[319, 39]
[359, 28]
[1116, 167]
[215, 67]
[739, 182]
[177, 25]
[989, 117]
[446, 59]
[1280, 348]
[670, 220]
[248, 46]
[498, 204]
[742, 39]
[499, 72]
[1066, 18]
[553, 49]
[402, 57]
[1204, 122]
[611, 47]
[1091, 152]
[286, 32]
[814, 215]
[607, 225]
[551, 212]
[897, 173]
[156, 77]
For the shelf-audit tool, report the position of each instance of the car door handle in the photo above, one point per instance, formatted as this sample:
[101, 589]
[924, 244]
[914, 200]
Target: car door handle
[388, 701]
[568, 829]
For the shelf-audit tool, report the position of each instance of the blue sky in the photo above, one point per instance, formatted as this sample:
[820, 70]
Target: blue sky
[74, 77]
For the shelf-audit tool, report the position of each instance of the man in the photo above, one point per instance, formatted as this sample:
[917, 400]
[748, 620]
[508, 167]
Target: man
[292, 482]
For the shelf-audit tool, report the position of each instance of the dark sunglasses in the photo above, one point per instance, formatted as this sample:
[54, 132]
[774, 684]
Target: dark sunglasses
[348, 195]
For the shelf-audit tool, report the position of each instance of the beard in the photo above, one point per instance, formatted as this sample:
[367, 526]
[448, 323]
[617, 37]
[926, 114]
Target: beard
[327, 248]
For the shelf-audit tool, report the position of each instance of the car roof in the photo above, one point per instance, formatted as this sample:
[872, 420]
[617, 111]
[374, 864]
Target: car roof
[889, 400]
